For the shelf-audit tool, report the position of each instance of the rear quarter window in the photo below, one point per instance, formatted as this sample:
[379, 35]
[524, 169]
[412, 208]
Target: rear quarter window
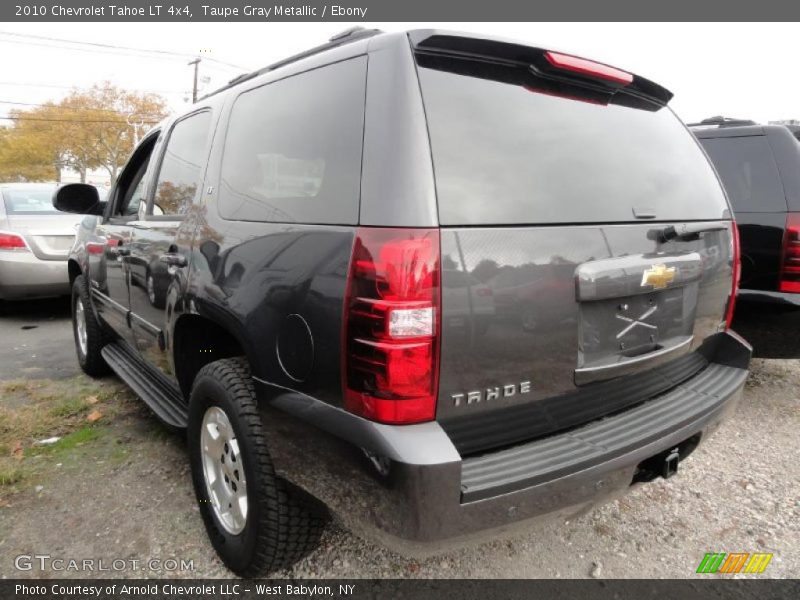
[293, 148]
[748, 171]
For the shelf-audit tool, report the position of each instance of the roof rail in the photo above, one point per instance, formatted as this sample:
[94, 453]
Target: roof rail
[340, 39]
[721, 121]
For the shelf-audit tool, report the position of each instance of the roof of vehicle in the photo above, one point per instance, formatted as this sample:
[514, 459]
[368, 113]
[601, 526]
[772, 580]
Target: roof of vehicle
[795, 129]
[432, 39]
[716, 127]
[347, 36]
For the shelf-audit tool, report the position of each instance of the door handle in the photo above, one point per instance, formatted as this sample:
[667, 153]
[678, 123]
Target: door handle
[173, 259]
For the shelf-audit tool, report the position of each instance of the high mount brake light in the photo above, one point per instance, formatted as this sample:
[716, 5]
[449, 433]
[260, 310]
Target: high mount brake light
[737, 272]
[790, 265]
[12, 241]
[582, 66]
[390, 353]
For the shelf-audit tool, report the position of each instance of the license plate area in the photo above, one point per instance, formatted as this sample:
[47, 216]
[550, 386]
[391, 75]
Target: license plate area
[615, 331]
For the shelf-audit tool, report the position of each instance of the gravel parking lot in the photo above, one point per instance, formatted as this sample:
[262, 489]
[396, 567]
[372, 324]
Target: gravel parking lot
[116, 484]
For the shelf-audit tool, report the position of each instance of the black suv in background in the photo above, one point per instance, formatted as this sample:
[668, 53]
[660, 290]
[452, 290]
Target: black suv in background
[760, 169]
[442, 283]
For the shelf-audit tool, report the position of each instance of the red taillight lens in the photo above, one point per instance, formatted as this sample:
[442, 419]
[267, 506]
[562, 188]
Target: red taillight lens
[95, 247]
[737, 272]
[390, 354]
[790, 265]
[12, 241]
[583, 66]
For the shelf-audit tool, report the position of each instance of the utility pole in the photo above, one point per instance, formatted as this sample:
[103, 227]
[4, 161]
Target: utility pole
[136, 124]
[196, 63]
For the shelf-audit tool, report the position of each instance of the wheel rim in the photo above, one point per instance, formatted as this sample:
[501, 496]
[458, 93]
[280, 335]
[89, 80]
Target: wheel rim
[151, 289]
[223, 470]
[80, 326]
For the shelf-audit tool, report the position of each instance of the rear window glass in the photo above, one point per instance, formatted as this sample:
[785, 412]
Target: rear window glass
[505, 154]
[29, 202]
[293, 148]
[748, 172]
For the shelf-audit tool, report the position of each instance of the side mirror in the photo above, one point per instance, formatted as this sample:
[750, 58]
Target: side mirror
[78, 198]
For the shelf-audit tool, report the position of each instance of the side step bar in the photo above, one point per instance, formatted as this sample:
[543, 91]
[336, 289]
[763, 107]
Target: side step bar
[158, 393]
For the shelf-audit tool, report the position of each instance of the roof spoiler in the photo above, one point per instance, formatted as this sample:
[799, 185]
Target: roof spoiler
[544, 63]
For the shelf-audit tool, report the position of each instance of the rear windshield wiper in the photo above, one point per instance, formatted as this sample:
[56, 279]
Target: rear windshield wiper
[689, 231]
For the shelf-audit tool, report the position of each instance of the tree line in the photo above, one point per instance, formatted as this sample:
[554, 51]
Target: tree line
[87, 130]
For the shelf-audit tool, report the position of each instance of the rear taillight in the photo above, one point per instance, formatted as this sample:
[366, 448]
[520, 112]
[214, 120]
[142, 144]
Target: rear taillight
[790, 265]
[390, 354]
[590, 68]
[12, 241]
[736, 253]
[95, 247]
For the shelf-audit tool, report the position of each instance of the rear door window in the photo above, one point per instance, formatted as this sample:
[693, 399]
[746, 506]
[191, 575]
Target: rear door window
[748, 171]
[505, 153]
[293, 148]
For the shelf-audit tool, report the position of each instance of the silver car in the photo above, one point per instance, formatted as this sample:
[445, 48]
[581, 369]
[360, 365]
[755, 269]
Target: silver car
[35, 240]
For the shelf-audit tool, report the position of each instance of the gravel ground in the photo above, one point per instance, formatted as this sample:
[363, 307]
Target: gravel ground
[125, 493]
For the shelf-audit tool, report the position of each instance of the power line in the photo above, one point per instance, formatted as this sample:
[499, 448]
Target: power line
[10, 118]
[221, 64]
[78, 49]
[141, 51]
[79, 108]
[72, 87]
[96, 44]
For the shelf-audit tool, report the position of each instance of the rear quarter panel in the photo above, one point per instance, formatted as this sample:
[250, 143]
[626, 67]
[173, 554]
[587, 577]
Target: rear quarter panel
[269, 282]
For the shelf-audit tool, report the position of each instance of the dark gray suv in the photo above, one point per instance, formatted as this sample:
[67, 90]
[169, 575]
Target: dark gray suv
[437, 283]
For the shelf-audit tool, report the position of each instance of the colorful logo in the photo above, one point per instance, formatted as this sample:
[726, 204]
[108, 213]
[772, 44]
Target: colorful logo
[659, 276]
[741, 562]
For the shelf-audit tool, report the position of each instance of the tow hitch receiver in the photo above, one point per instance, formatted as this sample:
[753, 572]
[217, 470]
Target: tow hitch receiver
[670, 466]
[665, 463]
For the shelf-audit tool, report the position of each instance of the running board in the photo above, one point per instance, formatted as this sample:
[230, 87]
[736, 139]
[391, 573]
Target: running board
[158, 393]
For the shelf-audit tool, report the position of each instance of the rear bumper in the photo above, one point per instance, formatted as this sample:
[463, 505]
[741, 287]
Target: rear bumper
[769, 297]
[22, 276]
[427, 497]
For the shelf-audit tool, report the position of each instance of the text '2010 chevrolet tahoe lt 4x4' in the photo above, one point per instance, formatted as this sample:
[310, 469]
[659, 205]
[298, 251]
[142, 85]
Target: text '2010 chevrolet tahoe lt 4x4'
[436, 283]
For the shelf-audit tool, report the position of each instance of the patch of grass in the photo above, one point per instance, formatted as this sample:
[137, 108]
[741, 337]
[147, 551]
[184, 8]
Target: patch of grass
[9, 387]
[33, 410]
[76, 438]
[9, 475]
[69, 407]
[54, 407]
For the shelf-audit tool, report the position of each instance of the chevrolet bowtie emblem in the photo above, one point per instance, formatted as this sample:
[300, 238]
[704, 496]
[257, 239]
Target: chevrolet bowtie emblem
[659, 276]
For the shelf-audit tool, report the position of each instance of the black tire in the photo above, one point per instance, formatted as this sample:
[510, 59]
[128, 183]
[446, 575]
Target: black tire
[90, 360]
[281, 526]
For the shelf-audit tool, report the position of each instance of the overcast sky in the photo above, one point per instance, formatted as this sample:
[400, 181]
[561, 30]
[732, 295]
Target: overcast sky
[741, 70]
